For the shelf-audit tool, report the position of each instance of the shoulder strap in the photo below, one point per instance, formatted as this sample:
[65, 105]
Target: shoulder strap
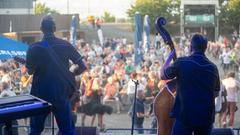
[58, 62]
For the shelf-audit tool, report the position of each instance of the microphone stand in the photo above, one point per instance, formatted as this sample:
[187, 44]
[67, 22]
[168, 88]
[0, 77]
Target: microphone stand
[134, 103]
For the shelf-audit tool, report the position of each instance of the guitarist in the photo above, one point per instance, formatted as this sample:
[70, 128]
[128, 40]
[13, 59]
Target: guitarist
[48, 61]
[197, 81]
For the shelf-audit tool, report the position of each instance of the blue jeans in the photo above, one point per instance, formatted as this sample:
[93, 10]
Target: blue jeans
[62, 113]
[180, 129]
[154, 125]
[131, 99]
[139, 127]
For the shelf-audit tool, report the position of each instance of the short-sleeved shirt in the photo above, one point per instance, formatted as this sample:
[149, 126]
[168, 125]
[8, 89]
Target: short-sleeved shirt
[197, 78]
[232, 86]
[48, 81]
[139, 108]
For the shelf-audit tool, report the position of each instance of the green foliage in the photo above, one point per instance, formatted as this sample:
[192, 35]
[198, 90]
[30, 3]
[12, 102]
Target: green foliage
[156, 8]
[107, 17]
[43, 9]
[230, 14]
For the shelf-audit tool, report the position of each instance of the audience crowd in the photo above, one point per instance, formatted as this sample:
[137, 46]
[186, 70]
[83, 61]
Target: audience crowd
[111, 76]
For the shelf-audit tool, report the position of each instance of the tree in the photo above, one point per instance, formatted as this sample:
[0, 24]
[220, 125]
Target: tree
[230, 14]
[107, 17]
[156, 8]
[43, 9]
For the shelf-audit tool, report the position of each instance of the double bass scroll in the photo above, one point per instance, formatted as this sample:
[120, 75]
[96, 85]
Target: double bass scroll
[163, 102]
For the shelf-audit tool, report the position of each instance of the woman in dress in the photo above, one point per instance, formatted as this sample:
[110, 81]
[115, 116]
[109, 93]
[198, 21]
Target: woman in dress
[232, 86]
[94, 106]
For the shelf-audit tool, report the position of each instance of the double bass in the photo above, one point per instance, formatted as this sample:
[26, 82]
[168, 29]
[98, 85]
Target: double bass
[163, 102]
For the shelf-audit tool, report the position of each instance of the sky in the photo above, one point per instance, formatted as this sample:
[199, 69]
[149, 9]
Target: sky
[84, 8]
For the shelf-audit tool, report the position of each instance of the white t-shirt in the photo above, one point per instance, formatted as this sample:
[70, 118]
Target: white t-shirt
[131, 87]
[226, 56]
[232, 86]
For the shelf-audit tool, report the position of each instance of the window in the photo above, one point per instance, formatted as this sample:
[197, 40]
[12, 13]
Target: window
[16, 3]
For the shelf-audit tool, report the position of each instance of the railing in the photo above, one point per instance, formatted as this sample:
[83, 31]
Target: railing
[236, 130]
[115, 131]
[126, 131]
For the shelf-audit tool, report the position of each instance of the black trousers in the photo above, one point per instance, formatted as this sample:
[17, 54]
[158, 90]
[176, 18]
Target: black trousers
[180, 129]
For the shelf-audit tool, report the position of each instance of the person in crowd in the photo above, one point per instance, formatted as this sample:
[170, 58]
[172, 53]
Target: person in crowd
[197, 81]
[25, 81]
[221, 106]
[48, 62]
[155, 67]
[235, 59]
[182, 41]
[129, 68]
[166, 53]
[152, 84]
[86, 92]
[98, 50]
[139, 111]
[157, 41]
[98, 23]
[232, 86]
[124, 40]
[111, 92]
[142, 80]
[94, 106]
[106, 68]
[226, 59]
[131, 88]
[5, 77]
[5, 91]
[145, 70]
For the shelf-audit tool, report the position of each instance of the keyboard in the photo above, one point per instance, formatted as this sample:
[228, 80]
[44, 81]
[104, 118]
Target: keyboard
[17, 107]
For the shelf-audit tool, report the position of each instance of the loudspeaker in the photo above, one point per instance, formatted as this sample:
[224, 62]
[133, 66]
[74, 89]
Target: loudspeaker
[222, 131]
[85, 131]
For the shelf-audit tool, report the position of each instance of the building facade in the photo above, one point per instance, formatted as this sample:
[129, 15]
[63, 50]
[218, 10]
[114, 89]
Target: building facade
[8, 7]
[200, 16]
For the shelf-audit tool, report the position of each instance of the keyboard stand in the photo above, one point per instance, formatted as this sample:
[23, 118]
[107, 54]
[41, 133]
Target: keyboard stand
[52, 123]
[9, 127]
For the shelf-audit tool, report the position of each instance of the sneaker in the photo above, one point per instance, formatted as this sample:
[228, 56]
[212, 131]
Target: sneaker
[102, 128]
